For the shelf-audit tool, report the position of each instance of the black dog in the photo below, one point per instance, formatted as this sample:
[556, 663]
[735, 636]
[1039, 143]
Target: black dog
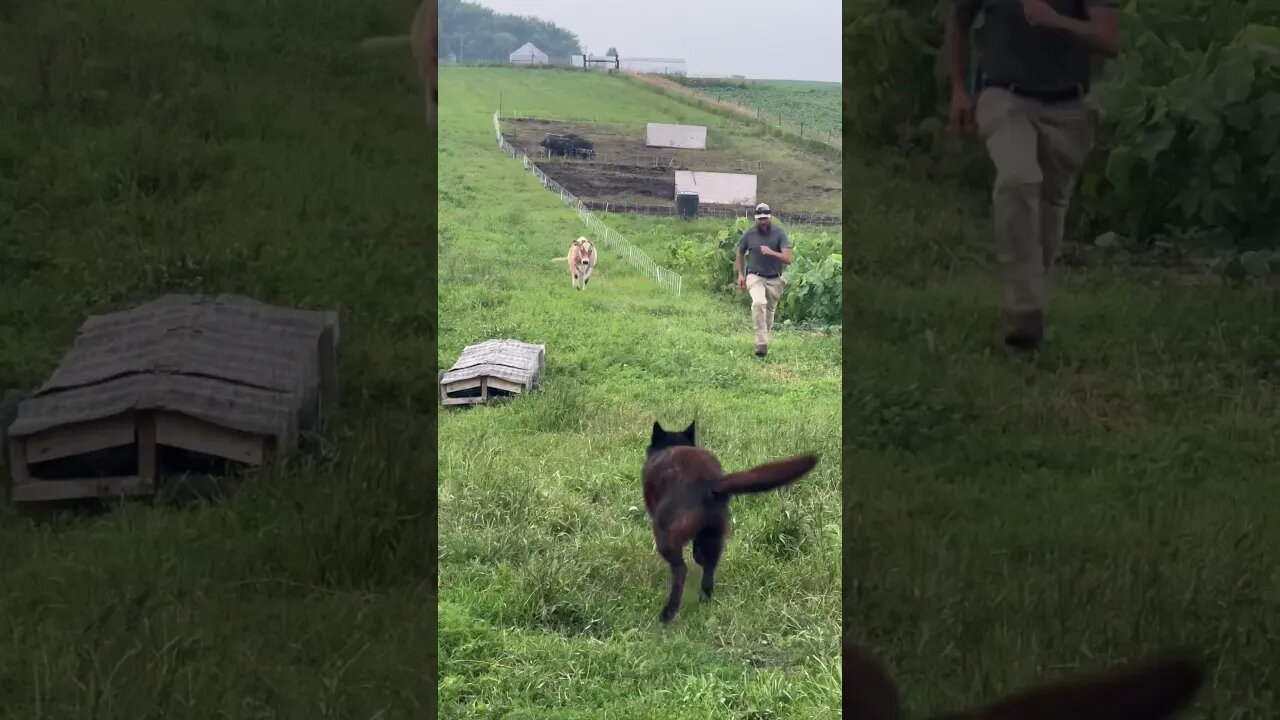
[687, 496]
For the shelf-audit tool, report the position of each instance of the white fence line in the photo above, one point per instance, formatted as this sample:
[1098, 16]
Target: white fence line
[615, 241]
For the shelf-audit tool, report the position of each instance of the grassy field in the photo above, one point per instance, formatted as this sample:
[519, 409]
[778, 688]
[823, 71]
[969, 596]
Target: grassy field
[550, 587]
[1010, 519]
[210, 147]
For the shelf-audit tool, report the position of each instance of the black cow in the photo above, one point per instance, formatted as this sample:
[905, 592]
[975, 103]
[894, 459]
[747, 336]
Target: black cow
[568, 144]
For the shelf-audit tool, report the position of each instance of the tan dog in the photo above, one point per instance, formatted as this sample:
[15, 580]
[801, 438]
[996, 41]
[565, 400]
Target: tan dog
[1154, 691]
[424, 41]
[582, 260]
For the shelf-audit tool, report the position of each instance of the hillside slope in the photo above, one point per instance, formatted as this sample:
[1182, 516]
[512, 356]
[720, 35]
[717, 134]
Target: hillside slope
[550, 587]
[1014, 519]
[200, 146]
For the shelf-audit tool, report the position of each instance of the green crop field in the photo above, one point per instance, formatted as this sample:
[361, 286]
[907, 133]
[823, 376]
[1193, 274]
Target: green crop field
[549, 583]
[815, 104]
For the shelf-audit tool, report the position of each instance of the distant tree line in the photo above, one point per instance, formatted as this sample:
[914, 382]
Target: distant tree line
[472, 33]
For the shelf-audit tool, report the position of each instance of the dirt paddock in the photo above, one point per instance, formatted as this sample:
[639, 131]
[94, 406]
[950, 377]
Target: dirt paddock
[626, 171]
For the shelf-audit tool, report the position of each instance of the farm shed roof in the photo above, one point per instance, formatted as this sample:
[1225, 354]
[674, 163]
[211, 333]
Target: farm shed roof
[689, 137]
[230, 360]
[717, 188]
[509, 360]
[526, 50]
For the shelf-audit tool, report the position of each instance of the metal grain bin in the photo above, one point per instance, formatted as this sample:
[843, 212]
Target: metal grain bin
[687, 205]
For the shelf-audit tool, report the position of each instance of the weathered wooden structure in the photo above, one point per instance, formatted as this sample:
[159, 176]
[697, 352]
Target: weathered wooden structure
[179, 384]
[492, 369]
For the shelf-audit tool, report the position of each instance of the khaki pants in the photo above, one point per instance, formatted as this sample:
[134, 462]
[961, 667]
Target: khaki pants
[1038, 149]
[765, 293]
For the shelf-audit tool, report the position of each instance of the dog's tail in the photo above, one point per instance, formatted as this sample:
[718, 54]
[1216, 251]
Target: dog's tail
[1155, 690]
[762, 478]
[559, 259]
[386, 41]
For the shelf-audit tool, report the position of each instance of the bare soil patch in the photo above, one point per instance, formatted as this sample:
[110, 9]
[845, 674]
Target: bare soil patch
[625, 171]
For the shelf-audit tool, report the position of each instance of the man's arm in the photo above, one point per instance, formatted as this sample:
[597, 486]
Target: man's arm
[783, 254]
[737, 261]
[784, 247]
[1101, 31]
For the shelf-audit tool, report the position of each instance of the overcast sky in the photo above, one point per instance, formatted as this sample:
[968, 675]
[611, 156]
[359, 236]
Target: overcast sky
[790, 40]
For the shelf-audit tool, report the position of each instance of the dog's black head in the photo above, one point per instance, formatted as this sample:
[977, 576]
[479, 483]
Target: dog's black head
[663, 439]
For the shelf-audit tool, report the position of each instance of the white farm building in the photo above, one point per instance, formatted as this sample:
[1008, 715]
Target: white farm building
[528, 54]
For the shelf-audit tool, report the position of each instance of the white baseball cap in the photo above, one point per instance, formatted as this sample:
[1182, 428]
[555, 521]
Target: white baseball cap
[762, 211]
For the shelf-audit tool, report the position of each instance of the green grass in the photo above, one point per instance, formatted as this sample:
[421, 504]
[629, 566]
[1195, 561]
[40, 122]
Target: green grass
[1011, 520]
[550, 587]
[210, 147]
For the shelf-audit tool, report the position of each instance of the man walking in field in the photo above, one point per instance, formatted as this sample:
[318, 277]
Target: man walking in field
[768, 252]
[1035, 117]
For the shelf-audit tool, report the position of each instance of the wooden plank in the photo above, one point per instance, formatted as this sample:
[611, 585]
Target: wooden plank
[459, 385]
[461, 401]
[109, 487]
[506, 385]
[481, 383]
[146, 424]
[188, 433]
[18, 461]
[80, 438]
[328, 352]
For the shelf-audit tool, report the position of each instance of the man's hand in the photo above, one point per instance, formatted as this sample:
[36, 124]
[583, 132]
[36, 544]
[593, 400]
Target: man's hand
[742, 281]
[1039, 14]
[961, 110]
[768, 251]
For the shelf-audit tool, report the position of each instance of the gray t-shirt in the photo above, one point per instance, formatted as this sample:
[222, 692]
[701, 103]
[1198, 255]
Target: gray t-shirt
[757, 262]
[1035, 58]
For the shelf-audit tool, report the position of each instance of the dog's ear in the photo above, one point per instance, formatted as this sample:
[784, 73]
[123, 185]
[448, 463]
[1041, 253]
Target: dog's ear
[1151, 692]
[868, 689]
[658, 432]
[576, 243]
[688, 432]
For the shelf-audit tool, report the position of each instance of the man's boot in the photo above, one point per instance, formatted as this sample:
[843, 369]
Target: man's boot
[1026, 330]
[762, 350]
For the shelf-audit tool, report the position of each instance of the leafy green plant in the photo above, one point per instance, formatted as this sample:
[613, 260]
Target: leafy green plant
[1190, 141]
[815, 292]
[890, 56]
[814, 283]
